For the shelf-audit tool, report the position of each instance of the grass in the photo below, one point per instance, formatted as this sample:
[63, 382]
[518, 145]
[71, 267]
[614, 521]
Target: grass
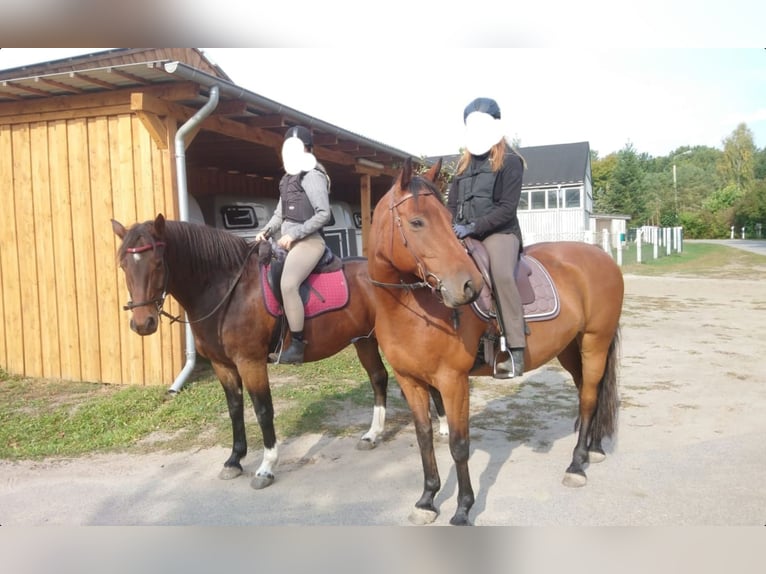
[50, 418]
[44, 418]
[697, 259]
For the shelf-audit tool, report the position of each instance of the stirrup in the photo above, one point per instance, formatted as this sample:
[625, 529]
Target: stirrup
[293, 355]
[503, 373]
[516, 366]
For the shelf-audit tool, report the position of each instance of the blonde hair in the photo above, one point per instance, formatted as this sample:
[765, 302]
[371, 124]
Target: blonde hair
[496, 156]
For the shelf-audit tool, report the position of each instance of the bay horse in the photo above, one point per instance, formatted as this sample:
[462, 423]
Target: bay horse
[430, 336]
[216, 278]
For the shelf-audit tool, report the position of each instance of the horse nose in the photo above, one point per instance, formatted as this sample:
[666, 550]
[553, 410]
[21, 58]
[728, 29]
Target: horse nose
[148, 327]
[471, 291]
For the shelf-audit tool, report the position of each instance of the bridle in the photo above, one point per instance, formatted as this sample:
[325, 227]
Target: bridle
[429, 280]
[157, 301]
[160, 301]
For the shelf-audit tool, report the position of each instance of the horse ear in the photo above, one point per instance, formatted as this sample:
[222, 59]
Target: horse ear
[119, 229]
[159, 224]
[433, 173]
[406, 176]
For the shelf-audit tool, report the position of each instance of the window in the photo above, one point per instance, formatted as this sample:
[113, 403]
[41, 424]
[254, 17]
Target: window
[239, 217]
[524, 200]
[537, 199]
[552, 196]
[572, 197]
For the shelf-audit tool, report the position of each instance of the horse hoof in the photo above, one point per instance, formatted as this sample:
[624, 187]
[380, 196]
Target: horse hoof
[366, 444]
[596, 456]
[260, 482]
[460, 521]
[229, 472]
[574, 480]
[422, 516]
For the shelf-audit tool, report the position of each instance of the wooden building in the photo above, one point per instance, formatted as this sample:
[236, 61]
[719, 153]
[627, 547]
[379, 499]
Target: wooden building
[87, 139]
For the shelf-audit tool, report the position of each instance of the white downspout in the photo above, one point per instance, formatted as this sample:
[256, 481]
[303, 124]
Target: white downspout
[183, 213]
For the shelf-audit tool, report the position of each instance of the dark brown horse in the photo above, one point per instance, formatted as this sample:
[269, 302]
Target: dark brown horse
[430, 337]
[216, 278]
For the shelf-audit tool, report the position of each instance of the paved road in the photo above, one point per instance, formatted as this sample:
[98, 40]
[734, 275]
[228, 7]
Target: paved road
[752, 245]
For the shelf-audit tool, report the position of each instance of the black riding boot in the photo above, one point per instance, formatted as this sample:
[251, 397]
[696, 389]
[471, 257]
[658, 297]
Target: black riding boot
[294, 353]
[512, 367]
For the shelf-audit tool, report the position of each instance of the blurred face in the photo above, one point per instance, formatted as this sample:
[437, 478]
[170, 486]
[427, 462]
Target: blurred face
[482, 131]
[295, 158]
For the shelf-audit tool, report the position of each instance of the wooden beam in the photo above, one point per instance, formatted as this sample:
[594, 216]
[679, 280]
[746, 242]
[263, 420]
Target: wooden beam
[147, 103]
[65, 114]
[346, 146]
[132, 77]
[156, 128]
[35, 91]
[365, 188]
[9, 94]
[179, 91]
[231, 108]
[325, 139]
[60, 85]
[267, 121]
[92, 80]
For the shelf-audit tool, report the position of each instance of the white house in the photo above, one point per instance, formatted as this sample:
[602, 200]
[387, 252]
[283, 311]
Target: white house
[557, 195]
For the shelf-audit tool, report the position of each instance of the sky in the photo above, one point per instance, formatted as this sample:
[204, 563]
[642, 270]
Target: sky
[656, 100]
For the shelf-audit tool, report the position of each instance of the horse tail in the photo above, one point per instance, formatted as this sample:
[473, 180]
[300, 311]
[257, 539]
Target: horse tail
[605, 420]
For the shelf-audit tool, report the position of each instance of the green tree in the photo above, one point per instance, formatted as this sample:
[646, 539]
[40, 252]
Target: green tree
[601, 175]
[737, 164]
[627, 193]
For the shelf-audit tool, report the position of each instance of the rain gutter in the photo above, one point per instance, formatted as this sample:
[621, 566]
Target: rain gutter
[183, 213]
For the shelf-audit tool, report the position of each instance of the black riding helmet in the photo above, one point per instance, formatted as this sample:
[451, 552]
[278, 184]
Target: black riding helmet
[302, 133]
[483, 105]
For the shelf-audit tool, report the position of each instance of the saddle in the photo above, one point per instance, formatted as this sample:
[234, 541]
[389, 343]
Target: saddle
[325, 289]
[538, 293]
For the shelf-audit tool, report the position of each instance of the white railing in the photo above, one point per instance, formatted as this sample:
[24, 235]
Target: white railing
[651, 241]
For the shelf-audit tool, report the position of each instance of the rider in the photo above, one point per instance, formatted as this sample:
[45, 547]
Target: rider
[303, 210]
[483, 198]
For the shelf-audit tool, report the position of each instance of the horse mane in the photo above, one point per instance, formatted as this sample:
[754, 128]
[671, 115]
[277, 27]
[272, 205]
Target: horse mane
[207, 248]
[202, 248]
[420, 184]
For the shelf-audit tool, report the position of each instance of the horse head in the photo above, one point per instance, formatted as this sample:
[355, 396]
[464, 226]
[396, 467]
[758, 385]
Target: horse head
[141, 257]
[412, 236]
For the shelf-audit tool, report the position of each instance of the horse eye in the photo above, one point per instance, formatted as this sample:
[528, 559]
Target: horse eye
[417, 223]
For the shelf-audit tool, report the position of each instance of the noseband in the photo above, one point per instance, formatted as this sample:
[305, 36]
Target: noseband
[429, 280]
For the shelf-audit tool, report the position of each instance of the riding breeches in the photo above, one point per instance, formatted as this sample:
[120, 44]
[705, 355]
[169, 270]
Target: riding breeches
[503, 250]
[299, 263]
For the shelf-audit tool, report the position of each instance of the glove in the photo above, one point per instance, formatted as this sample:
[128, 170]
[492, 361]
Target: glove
[463, 231]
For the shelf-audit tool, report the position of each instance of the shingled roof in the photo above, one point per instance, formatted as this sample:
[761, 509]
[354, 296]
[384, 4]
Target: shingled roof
[557, 164]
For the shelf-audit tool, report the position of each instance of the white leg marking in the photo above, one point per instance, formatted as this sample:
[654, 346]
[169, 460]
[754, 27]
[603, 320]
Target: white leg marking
[270, 459]
[443, 426]
[377, 426]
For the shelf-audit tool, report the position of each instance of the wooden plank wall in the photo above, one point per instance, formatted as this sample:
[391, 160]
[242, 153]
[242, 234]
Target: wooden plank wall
[61, 181]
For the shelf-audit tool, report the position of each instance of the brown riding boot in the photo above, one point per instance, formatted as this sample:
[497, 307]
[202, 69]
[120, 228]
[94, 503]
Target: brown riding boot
[511, 367]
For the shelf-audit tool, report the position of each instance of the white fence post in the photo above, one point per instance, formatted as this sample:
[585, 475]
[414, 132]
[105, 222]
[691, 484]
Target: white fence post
[605, 241]
[668, 243]
[639, 234]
